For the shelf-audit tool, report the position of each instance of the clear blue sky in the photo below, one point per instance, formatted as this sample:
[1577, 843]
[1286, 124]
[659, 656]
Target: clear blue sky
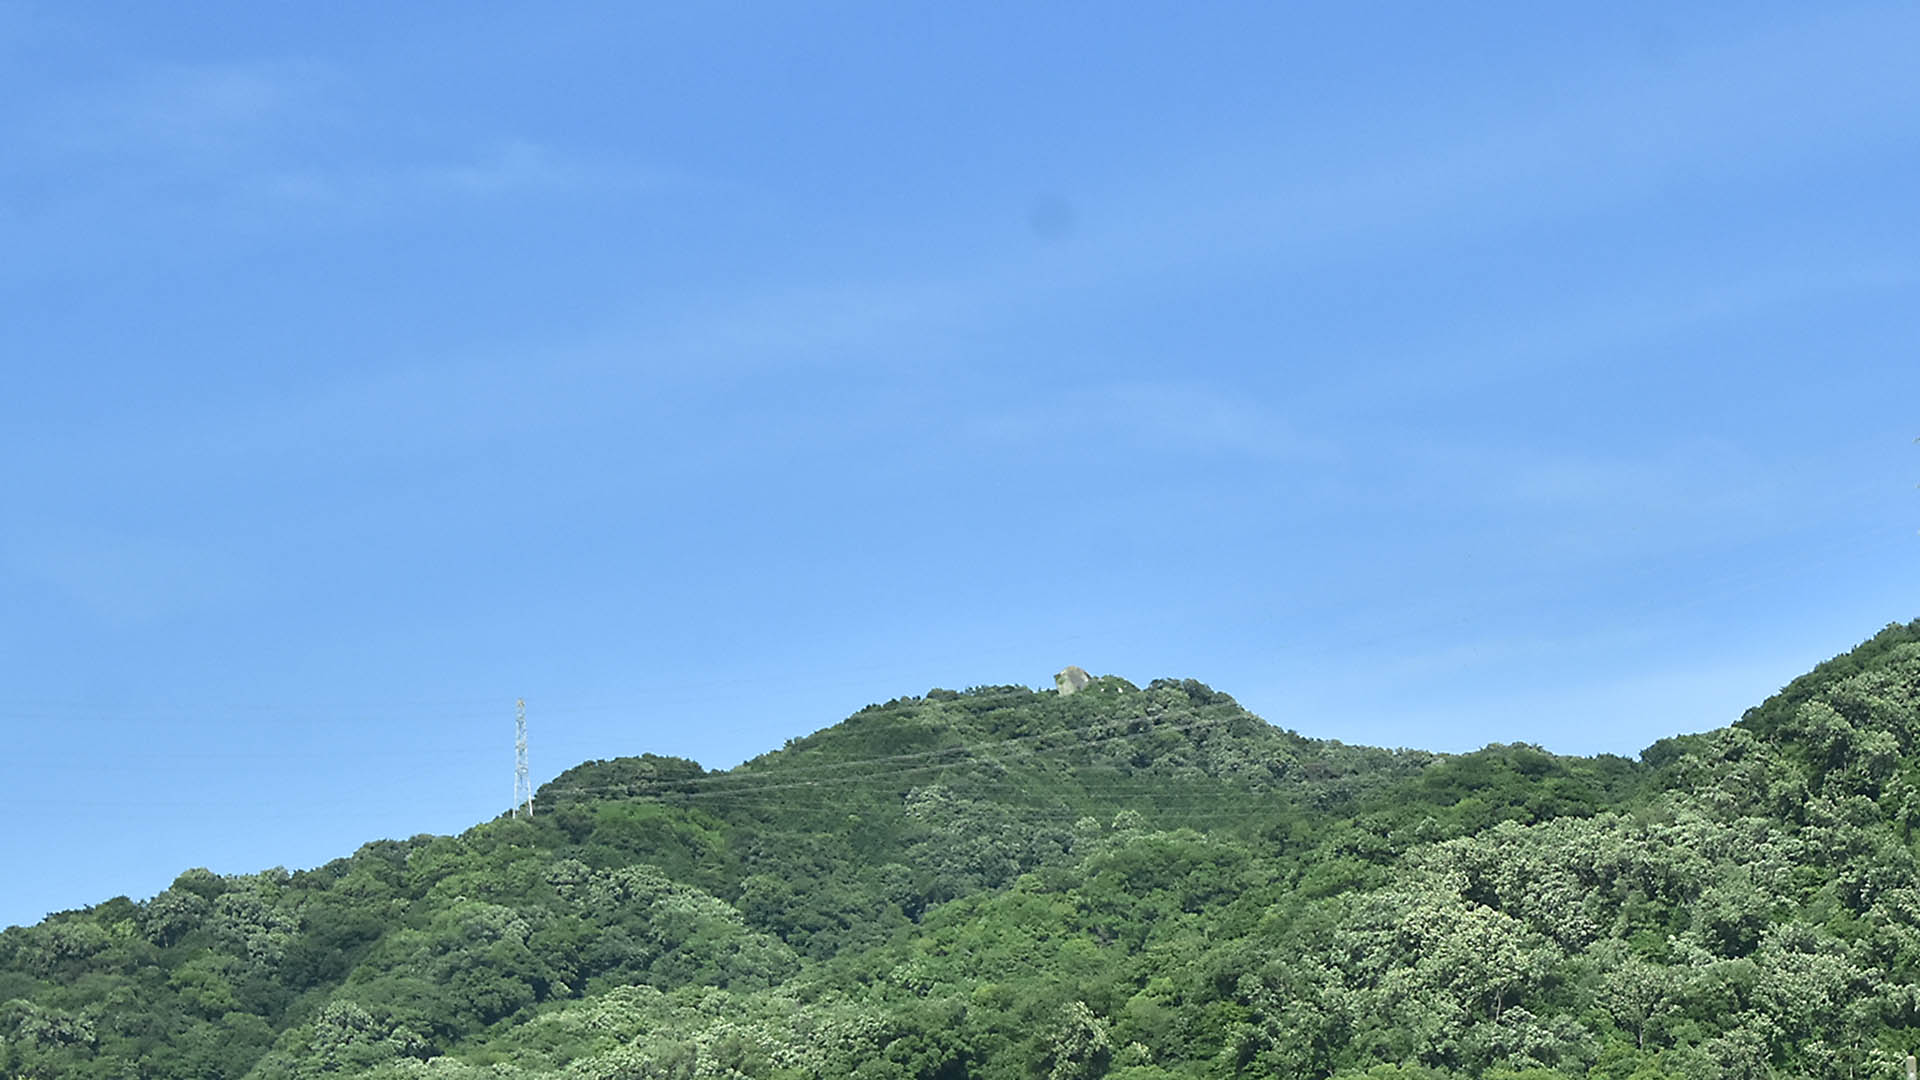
[1421, 375]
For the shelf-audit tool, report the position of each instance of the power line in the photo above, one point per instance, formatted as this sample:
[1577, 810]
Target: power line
[938, 757]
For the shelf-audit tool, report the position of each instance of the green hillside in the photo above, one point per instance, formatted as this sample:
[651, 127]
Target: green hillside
[1126, 882]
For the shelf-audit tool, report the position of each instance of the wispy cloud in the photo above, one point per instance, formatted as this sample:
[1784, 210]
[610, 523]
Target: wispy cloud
[513, 165]
[507, 168]
[1620, 322]
[826, 324]
[205, 116]
[1787, 94]
[1704, 111]
[1605, 506]
[265, 136]
[1791, 93]
[1168, 417]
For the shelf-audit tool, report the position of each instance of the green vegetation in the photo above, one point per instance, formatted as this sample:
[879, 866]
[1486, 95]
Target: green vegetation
[1125, 883]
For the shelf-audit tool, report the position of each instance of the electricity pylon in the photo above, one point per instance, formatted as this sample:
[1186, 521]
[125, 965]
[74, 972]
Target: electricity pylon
[522, 786]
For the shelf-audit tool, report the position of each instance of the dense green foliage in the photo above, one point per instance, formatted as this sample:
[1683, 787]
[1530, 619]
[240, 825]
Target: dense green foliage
[1126, 883]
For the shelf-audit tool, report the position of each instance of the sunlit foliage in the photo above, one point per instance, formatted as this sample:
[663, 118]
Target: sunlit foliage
[1130, 883]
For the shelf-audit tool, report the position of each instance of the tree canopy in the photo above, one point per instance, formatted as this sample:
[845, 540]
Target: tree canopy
[1124, 882]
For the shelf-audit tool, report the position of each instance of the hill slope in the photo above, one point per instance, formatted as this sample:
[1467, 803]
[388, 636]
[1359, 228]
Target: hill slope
[1124, 882]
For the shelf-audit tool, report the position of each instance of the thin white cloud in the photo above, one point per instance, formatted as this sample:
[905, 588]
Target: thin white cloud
[1673, 300]
[1793, 93]
[1702, 477]
[1565, 156]
[214, 106]
[512, 166]
[1677, 496]
[827, 324]
[1169, 417]
[184, 117]
[509, 168]
[268, 135]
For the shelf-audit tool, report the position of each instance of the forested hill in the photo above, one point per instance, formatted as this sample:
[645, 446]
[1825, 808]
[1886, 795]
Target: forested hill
[1125, 882]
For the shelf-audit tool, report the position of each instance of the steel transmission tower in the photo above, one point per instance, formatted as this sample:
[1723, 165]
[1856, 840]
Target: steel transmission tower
[522, 786]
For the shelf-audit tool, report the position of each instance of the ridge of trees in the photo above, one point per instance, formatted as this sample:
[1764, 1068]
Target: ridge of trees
[1135, 883]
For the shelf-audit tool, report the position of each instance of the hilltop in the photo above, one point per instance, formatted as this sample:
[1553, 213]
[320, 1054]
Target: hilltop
[1129, 882]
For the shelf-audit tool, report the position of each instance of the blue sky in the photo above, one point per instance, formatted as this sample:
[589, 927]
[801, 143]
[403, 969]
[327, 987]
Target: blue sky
[1420, 377]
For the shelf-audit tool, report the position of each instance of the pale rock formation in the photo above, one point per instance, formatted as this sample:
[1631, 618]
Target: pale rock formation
[1071, 679]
